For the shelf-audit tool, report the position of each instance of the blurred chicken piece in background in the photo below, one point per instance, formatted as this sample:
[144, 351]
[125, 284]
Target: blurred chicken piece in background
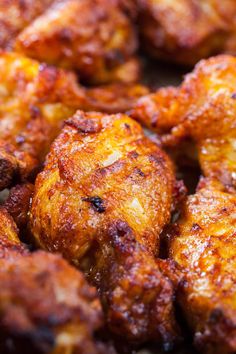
[34, 101]
[185, 31]
[46, 306]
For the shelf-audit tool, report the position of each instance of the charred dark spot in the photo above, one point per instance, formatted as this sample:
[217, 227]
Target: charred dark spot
[97, 203]
[215, 316]
[127, 126]
[133, 154]
[113, 58]
[196, 227]
[139, 172]
[65, 35]
[34, 112]
[82, 125]
[159, 160]
[122, 228]
[233, 96]
[224, 210]
[122, 237]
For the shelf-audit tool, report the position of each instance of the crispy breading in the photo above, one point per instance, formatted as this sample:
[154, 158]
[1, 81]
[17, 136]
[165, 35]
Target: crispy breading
[203, 246]
[15, 15]
[104, 196]
[95, 37]
[46, 305]
[114, 98]
[186, 31]
[203, 108]
[34, 101]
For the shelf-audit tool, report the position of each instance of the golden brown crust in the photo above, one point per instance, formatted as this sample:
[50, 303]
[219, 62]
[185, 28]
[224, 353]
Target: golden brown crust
[95, 37]
[128, 163]
[104, 180]
[46, 306]
[204, 247]
[136, 296]
[186, 31]
[202, 108]
[15, 15]
[34, 101]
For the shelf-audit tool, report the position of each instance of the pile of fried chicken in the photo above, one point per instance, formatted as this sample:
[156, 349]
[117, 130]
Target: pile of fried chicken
[103, 248]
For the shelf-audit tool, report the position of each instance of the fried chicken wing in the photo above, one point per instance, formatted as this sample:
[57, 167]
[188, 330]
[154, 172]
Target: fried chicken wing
[34, 101]
[94, 37]
[204, 247]
[15, 15]
[8, 229]
[104, 196]
[186, 31]
[203, 108]
[46, 306]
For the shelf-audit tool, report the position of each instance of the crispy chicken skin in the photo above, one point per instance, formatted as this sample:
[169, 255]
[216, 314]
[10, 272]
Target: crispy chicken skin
[94, 37]
[111, 181]
[46, 306]
[104, 196]
[186, 31]
[15, 15]
[204, 246]
[203, 108]
[34, 101]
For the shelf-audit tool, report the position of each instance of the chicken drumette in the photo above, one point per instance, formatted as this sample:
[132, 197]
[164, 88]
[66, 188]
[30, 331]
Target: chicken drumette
[15, 15]
[94, 37]
[186, 31]
[203, 246]
[203, 109]
[46, 306]
[34, 101]
[104, 196]
[203, 240]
